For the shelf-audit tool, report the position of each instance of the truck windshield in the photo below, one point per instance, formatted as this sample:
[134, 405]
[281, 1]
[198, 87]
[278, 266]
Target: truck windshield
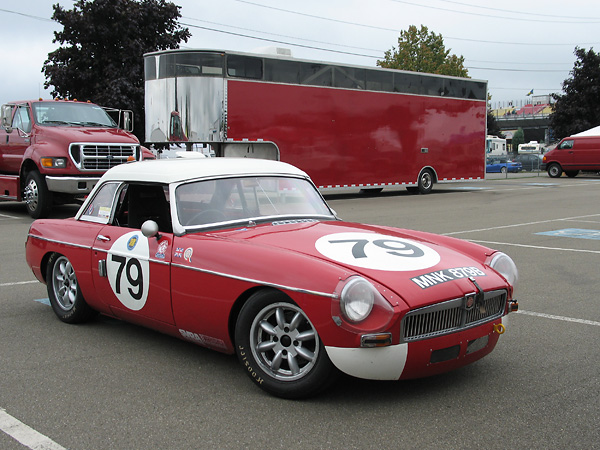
[71, 113]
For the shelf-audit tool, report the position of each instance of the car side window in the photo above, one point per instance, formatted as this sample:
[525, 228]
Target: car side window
[140, 202]
[100, 208]
[567, 144]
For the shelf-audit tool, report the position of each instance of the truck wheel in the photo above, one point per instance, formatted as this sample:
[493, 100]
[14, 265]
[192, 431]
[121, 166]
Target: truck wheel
[279, 348]
[554, 170]
[37, 196]
[572, 173]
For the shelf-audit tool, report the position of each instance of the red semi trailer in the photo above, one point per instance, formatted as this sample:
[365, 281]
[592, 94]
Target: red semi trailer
[346, 126]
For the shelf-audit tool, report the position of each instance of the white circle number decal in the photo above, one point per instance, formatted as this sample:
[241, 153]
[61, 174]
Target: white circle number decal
[377, 251]
[128, 269]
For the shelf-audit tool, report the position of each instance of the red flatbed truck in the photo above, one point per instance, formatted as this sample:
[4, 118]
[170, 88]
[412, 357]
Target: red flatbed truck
[54, 151]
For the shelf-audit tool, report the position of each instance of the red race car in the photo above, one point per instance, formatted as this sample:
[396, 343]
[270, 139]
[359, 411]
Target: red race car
[245, 256]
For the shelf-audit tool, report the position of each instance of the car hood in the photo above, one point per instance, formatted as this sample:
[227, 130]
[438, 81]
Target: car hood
[420, 267]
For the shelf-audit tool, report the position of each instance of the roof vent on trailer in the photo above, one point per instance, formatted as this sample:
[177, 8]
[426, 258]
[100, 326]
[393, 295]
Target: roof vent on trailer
[279, 51]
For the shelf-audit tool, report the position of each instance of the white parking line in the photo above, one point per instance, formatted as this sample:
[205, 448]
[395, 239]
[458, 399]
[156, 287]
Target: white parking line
[8, 217]
[15, 283]
[566, 319]
[520, 224]
[25, 434]
[539, 247]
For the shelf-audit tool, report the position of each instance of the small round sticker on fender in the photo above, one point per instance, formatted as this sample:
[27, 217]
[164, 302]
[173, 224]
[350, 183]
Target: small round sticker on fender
[377, 251]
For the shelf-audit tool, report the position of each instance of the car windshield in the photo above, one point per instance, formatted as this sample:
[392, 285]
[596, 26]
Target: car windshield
[71, 113]
[229, 200]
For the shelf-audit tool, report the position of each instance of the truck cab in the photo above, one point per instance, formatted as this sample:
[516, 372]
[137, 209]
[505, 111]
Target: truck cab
[55, 151]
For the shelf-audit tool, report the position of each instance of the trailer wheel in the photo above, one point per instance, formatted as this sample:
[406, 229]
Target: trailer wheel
[554, 170]
[425, 183]
[37, 196]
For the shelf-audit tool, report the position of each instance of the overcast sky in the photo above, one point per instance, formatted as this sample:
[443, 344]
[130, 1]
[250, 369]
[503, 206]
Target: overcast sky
[515, 45]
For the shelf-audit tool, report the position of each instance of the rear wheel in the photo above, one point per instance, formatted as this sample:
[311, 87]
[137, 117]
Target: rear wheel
[279, 347]
[503, 169]
[37, 196]
[425, 183]
[572, 173]
[554, 170]
[64, 293]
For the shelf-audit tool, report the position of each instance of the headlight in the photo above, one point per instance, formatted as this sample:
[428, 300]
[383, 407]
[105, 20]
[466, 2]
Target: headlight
[357, 298]
[506, 267]
[53, 163]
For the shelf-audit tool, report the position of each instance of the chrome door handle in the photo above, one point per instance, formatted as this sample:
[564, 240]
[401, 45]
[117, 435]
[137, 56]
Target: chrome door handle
[102, 238]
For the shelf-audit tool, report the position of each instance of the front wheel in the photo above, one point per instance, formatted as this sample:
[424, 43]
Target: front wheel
[37, 196]
[554, 170]
[280, 349]
[64, 293]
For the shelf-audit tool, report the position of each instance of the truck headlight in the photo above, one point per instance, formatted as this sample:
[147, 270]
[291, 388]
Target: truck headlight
[53, 163]
[505, 266]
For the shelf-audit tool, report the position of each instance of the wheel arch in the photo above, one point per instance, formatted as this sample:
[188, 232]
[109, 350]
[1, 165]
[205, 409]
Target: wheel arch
[241, 301]
[44, 264]
[431, 169]
[27, 166]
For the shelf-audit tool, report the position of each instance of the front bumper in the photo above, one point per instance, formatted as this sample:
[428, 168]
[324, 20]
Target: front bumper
[420, 358]
[71, 185]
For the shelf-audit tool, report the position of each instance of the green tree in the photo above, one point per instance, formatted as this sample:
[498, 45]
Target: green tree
[423, 51]
[102, 43]
[517, 139]
[578, 109]
[493, 128]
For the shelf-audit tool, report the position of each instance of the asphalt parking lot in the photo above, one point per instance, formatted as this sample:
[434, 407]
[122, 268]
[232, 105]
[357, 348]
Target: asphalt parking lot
[111, 385]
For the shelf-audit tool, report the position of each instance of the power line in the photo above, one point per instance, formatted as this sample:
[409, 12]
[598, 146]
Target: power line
[529, 14]
[30, 16]
[357, 54]
[529, 19]
[277, 41]
[375, 27]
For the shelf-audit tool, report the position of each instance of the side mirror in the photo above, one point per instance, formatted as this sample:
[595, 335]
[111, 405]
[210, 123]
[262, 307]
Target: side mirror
[127, 120]
[6, 114]
[150, 229]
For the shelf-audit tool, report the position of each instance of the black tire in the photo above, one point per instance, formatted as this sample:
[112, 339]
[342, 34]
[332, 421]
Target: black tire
[280, 349]
[64, 293]
[572, 173]
[554, 170]
[502, 169]
[425, 183]
[37, 196]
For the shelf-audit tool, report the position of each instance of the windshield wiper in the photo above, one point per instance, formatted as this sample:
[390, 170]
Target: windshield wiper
[56, 122]
[93, 124]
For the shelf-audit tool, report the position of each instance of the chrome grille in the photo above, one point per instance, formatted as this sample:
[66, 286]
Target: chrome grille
[451, 316]
[101, 157]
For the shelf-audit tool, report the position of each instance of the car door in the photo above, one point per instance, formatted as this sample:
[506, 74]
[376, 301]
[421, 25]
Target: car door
[566, 150]
[132, 272]
[14, 143]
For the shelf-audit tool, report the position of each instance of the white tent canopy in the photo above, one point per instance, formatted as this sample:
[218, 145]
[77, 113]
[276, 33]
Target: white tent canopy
[591, 132]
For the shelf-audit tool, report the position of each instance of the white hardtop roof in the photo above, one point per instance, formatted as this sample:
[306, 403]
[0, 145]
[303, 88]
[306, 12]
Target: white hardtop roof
[182, 169]
[591, 132]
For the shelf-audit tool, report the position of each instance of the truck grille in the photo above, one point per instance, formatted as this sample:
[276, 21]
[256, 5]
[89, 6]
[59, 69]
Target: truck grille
[101, 157]
[451, 316]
